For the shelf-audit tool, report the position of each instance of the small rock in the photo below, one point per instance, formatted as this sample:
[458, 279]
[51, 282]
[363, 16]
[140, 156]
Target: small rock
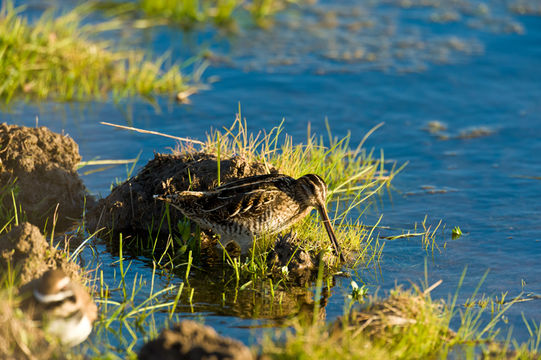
[190, 340]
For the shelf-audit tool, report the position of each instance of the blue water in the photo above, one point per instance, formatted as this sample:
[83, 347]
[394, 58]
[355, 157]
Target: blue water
[489, 76]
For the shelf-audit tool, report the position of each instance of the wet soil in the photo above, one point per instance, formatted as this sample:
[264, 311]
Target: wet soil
[42, 164]
[301, 265]
[131, 208]
[286, 259]
[191, 340]
[26, 249]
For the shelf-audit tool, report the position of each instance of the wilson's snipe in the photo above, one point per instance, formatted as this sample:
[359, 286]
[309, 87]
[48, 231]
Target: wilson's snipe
[247, 208]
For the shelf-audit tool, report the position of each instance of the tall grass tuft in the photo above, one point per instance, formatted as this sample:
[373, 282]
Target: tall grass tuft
[57, 57]
[345, 170]
[189, 13]
[353, 176]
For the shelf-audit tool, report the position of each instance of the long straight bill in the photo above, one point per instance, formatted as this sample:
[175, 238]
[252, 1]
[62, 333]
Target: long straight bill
[330, 231]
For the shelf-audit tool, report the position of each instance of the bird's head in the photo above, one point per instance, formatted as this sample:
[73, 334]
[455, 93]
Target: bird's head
[313, 190]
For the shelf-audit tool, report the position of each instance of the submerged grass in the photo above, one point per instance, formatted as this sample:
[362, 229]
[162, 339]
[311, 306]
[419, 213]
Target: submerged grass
[57, 57]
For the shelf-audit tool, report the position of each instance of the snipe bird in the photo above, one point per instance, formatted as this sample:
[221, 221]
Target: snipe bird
[64, 306]
[249, 207]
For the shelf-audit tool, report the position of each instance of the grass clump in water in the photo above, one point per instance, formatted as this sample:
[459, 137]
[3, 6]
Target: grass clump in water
[56, 58]
[407, 324]
[353, 177]
[404, 325]
[223, 13]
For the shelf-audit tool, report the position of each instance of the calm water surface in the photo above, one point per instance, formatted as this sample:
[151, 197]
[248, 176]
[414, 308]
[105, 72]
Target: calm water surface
[479, 70]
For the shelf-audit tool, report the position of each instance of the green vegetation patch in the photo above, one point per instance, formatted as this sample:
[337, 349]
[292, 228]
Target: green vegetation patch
[353, 175]
[58, 58]
[407, 324]
[134, 306]
[189, 13]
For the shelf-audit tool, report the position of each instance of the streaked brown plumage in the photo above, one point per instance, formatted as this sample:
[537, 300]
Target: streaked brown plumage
[247, 208]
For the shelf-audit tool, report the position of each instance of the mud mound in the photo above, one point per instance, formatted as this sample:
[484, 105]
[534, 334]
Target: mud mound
[25, 247]
[42, 164]
[191, 340]
[131, 207]
[302, 266]
[382, 318]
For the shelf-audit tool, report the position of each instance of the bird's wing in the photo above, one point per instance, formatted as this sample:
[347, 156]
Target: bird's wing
[248, 182]
[247, 197]
[246, 204]
[254, 203]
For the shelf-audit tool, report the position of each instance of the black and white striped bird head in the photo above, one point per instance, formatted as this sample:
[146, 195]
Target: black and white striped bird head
[65, 307]
[54, 289]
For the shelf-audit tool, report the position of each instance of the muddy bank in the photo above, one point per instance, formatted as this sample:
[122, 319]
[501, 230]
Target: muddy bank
[25, 249]
[131, 209]
[42, 165]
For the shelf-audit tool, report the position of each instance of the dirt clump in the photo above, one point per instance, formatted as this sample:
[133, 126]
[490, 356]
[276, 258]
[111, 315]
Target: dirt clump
[400, 310]
[42, 164]
[26, 249]
[301, 265]
[131, 207]
[191, 340]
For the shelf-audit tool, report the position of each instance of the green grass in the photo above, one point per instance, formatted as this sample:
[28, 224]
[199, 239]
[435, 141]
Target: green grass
[354, 178]
[59, 58]
[189, 13]
[406, 324]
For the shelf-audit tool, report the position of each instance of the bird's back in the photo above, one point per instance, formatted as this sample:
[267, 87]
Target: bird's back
[252, 206]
